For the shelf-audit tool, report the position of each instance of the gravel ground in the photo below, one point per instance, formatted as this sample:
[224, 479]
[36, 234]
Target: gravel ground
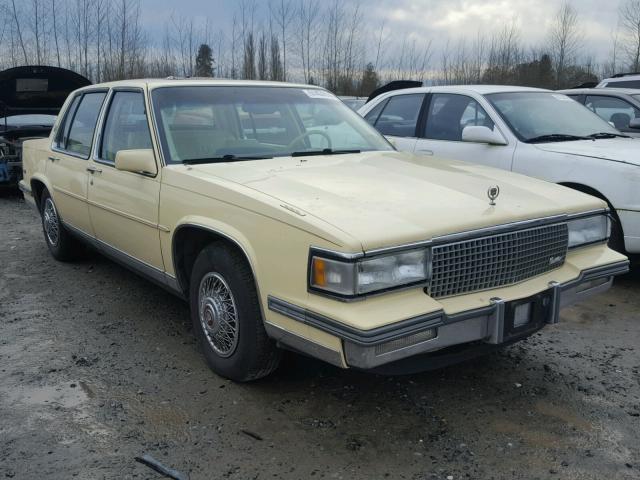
[98, 366]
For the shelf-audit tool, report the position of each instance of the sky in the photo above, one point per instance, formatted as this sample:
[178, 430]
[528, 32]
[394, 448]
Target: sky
[434, 19]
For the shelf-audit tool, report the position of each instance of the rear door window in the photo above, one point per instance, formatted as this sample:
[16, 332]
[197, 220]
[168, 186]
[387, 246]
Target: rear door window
[84, 124]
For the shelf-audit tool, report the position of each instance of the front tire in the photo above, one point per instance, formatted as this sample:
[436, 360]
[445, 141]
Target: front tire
[226, 316]
[62, 245]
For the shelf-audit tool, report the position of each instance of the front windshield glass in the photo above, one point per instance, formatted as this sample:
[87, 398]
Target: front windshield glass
[198, 123]
[28, 119]
[533, 115]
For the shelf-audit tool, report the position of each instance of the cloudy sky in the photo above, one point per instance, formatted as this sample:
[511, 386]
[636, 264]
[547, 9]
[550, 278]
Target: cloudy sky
[435, 19]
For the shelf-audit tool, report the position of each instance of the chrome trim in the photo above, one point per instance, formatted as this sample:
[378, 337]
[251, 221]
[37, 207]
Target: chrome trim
[23, 188]
[68, 193]
[138, 266]
[480, 324]
[123, 214]
[298, 343]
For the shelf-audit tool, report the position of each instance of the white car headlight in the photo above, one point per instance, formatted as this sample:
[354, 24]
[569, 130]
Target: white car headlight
[350, 278]
[586, 230]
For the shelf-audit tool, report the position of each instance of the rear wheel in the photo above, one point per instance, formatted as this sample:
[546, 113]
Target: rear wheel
[62, 245]
[226, 316]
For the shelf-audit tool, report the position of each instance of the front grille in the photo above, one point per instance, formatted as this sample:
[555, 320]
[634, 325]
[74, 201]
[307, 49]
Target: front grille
[496, 260]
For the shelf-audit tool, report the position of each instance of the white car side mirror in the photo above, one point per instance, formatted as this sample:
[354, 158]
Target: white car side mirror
[481, 134]
[137, 161]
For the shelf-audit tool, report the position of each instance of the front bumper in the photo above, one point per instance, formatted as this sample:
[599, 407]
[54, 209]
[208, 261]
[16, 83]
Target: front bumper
[490, 325]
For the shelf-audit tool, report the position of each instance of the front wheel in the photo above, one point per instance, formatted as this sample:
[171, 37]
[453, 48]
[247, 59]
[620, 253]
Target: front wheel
[226, 316]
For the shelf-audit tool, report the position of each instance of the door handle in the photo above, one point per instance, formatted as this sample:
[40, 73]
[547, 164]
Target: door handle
[53, 159]
[92, 169]
[425, 152]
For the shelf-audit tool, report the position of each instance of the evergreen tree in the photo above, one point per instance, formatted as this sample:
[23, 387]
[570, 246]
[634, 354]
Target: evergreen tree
[204, 61]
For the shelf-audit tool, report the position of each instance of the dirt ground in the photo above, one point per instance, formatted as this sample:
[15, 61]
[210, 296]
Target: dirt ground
[98, 366]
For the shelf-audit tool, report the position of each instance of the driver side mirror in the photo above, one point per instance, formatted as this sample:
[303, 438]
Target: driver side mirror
[481, 134]
[635, 124]
[136, 161]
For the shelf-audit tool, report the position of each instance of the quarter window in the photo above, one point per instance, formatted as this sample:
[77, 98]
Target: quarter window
[400, 115]
[613, 110]
[63, 129]
[374, 113]
[84, 124]
[449, 114]
[126, 126]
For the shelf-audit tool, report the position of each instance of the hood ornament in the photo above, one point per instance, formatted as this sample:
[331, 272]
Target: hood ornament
[493, 193]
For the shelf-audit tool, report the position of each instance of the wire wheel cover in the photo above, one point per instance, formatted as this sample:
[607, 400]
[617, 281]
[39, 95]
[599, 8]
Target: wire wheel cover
[218, 314]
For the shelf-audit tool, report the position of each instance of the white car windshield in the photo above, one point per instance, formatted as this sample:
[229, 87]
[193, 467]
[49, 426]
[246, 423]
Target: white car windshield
[544, 116]
[225, 123]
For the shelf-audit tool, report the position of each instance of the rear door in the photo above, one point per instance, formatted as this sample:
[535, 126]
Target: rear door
[441, 133]
[124, 205]
[397, 119]
[69, 158]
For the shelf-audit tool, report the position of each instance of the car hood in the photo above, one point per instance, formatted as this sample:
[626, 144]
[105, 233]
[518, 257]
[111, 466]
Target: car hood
[624, 150]
[392, 198]
[37, 89]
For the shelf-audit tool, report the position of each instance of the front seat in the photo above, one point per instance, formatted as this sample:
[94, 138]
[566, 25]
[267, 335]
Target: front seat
[620, 120]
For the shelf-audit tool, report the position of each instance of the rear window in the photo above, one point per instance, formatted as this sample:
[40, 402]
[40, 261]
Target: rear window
[623, 84]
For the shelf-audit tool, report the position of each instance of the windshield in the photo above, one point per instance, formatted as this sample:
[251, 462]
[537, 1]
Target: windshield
[230, 122]
[531, 115]
[29, 119]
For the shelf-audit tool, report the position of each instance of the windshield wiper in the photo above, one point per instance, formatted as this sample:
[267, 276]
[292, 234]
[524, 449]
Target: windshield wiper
[326, 151]
[607, 135]
[557, 137]
[224, 158]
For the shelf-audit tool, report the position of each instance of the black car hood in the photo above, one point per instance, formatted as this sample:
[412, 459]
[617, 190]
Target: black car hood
[36, 89]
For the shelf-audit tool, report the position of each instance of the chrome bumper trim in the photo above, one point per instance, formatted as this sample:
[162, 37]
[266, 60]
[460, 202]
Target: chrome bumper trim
[482, 324]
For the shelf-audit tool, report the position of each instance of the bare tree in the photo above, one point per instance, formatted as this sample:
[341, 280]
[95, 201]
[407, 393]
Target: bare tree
[564, 40]
[282, 12]
[629, 17]
[308, 14]
[18, 31]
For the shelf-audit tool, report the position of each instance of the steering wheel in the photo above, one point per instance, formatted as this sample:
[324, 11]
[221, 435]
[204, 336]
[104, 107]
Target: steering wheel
[308, 134]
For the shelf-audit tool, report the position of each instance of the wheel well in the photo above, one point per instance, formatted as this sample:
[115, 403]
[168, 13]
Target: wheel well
[188, 242]
[37, 187]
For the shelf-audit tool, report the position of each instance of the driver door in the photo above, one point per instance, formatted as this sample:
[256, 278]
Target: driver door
[441, 136]
[123, 206]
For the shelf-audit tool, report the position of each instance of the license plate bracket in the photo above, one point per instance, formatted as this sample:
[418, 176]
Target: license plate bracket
[537, 309]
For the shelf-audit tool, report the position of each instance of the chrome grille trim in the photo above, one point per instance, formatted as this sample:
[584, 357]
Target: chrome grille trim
[496, 260]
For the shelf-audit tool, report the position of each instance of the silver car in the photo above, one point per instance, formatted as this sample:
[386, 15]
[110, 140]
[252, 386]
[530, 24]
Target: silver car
[618, 106]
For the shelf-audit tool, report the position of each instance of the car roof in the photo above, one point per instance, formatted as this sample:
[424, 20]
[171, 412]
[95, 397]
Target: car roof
[195, 81]
[479, 89]
[602, 91]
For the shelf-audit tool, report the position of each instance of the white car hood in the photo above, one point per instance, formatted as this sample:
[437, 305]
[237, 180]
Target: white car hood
[625, 150]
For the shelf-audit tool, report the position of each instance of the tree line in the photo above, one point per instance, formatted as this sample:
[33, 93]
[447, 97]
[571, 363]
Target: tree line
[311, 41]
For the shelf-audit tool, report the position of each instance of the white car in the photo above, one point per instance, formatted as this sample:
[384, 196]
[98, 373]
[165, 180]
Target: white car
[618, 106]
[621, 80]
[526, 130]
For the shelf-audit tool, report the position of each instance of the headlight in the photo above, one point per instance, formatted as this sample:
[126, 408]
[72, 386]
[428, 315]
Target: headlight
[350, 278]
[586, 230]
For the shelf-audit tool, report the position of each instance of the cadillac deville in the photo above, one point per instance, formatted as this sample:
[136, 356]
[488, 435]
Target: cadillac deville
[287, 221]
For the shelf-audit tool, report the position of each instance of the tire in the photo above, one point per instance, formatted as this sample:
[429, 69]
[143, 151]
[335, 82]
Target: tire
[222, 288]
[62, 245]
